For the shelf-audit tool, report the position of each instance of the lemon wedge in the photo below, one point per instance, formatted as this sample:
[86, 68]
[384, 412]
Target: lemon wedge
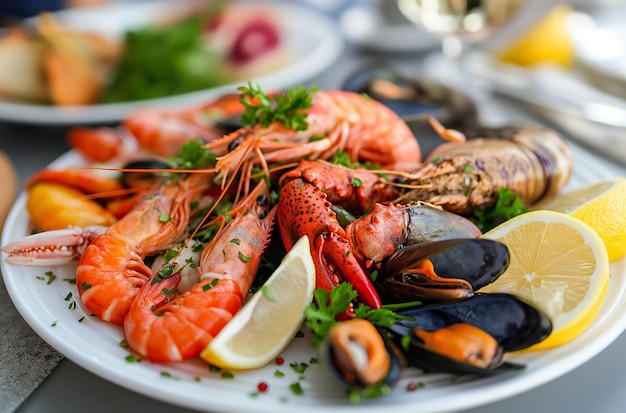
[268, 321]
[559, 264]
[547, 41]
[601, 205]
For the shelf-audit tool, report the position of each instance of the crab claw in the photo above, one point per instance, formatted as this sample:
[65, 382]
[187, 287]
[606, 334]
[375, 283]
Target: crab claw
[52, 247]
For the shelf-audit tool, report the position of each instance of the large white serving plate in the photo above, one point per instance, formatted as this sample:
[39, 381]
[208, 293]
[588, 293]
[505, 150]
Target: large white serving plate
[94, 345]
[312, 41]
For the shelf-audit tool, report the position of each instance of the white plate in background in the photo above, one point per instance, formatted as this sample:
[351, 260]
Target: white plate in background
[312, 40]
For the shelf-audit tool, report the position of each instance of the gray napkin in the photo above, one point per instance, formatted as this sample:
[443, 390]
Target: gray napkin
[25, 359]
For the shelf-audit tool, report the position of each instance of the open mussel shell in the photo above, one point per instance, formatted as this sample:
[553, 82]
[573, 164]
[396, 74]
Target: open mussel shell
[464, 265]
[432, 223]
[512, 322]
[141, 177]
[359, 355]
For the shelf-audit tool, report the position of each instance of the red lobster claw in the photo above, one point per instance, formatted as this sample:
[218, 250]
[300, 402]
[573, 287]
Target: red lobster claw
[304, 209]
[333, 251]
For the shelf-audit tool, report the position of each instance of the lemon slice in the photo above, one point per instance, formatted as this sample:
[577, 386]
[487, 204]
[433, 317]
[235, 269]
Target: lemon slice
[601, 205]
[559, 264]
[547, 41]
[268, 321]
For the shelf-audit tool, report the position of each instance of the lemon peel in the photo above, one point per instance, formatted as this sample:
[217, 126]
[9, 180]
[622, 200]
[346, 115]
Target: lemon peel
[602, 206]
[547, 41]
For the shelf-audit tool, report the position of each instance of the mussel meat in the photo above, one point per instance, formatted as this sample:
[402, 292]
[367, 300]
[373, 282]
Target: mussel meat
[359, 356]
[442, 270]
[458, 337]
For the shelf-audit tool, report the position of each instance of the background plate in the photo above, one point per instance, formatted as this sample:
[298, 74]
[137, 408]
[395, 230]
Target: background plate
[312, 40]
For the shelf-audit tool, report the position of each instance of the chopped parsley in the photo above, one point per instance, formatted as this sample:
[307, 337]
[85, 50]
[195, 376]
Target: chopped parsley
[210, 285]
[169, 375]
[164, 218]
[168, 293]
[165, 272]
[131, 358]
[296, 388]
[243, 257]
[50, 275]
[267, 293]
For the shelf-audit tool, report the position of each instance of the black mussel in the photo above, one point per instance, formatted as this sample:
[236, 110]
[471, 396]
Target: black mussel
[429, 222]
[143, 176]
[469, 336]
[411, 97]
[229, 125]
[359, 356]
[389, 227]
[442, 270]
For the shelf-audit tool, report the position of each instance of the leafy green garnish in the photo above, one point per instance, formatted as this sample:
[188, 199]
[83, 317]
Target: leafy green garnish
[321, 314]
[508, 205]
[165, 272]
[194, 156]
[165, 60]
[288, 109]
[341, 157]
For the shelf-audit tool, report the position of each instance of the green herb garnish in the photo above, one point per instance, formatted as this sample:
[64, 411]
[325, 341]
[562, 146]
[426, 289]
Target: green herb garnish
[508, 205]
[164, 218]
[321, 314]
[243, 257]
[166, 60]
[165, 272]
[288, 109]
[193, 155]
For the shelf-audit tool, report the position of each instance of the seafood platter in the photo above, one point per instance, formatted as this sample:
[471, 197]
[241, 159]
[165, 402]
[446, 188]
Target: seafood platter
[134, 251]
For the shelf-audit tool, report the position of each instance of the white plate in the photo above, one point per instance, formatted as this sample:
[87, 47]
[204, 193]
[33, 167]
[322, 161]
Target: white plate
[94, 345]
[312, 40]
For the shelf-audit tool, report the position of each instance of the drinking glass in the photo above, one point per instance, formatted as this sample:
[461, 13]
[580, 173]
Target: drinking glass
[459, 23]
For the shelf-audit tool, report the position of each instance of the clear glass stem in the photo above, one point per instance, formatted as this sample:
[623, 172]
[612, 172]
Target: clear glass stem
[453, 49]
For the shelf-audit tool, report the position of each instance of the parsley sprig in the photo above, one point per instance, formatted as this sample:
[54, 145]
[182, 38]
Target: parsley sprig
[508, 205]
[194, 155]
[322, 313]
[264, 110]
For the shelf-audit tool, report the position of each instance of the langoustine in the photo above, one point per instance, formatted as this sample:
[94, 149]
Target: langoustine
[365, 129]
[111, 270]
[168, 327]
[532, 161]
[156, 132]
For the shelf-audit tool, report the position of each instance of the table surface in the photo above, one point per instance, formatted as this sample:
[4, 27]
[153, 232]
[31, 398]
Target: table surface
[598, 385]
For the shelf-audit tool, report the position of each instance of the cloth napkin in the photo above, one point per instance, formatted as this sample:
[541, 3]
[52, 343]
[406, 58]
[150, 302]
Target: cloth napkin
[26, 359]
